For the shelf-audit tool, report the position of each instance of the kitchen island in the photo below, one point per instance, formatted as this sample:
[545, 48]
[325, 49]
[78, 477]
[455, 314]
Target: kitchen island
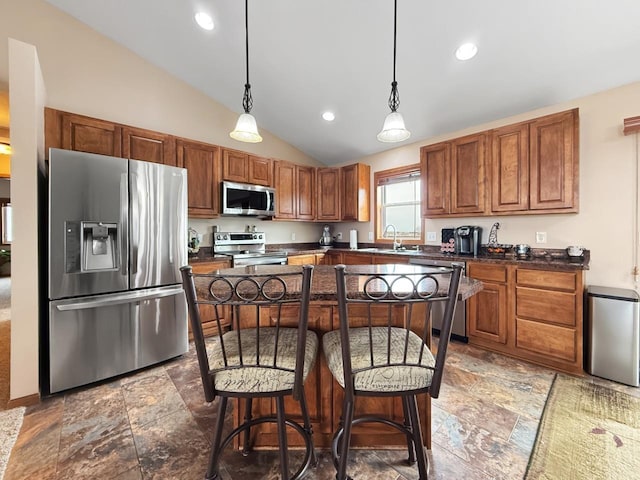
[324, 395]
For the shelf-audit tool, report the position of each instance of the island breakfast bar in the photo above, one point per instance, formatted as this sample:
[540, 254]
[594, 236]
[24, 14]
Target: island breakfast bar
[324, 395]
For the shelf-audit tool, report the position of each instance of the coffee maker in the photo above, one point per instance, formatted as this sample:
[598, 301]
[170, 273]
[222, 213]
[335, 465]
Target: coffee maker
[467, 240]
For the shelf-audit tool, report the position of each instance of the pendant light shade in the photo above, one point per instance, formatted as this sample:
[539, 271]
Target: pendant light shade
[5, 148]
[246, 128]
[393, 129]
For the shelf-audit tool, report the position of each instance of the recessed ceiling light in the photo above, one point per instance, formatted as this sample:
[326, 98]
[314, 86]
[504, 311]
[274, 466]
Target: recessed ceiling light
[466, 51]
[329, 116]
[204, 20]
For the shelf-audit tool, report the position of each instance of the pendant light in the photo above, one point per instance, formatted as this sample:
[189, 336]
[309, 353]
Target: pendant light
[393, 129]
[246, 129]
[5, 148]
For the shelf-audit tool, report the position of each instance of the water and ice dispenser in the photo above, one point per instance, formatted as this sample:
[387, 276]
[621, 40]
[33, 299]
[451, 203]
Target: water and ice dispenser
[91, 247]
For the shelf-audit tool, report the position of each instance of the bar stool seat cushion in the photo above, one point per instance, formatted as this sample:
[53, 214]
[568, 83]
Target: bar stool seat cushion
[266, 377]
[385, 377]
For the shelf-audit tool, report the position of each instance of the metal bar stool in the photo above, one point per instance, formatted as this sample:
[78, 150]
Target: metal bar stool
[258, 357]
[390, 357]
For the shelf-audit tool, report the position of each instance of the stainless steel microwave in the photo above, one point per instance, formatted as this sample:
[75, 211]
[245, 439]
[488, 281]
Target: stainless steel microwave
[246, 199]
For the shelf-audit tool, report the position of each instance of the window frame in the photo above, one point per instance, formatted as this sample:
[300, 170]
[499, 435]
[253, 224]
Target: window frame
[379, 229]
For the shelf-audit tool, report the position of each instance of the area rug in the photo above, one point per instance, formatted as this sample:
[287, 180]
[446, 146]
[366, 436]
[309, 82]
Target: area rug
[5, 354]
[10, 423]
[587, 431]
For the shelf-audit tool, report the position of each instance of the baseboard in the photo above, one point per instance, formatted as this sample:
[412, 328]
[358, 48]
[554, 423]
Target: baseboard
[24, 401]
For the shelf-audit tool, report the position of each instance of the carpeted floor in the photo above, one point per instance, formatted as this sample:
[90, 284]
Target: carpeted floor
[587, 431]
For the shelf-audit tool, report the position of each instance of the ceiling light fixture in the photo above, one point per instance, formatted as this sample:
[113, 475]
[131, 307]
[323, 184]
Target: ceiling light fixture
[246, 129]
[5, 148]
[329, 116]
[204, 20]
[393, 129]
[466, 51]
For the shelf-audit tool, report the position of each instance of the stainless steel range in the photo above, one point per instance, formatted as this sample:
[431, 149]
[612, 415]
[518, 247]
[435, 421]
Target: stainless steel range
[247, 248]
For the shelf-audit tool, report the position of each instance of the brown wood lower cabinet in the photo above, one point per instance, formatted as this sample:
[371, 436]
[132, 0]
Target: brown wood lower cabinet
[535, 315]
[324, 394]
[207, 313]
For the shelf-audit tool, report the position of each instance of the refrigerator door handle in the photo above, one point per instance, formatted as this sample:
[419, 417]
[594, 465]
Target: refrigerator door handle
[135, 228]
[121, 298]
[124, 223]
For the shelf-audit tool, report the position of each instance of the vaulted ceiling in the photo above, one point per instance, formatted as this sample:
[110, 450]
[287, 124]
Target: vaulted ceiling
[310, 56]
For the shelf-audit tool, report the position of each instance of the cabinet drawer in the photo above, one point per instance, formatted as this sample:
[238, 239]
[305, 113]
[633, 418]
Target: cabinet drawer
[548, 340]
[490, 273]
[544, 279]
[556, 307]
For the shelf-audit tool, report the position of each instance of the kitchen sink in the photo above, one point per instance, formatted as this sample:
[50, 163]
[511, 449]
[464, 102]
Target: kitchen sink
[390, 250]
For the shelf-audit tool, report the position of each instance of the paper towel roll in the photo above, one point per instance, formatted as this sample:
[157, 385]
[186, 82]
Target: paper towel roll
[353, 239]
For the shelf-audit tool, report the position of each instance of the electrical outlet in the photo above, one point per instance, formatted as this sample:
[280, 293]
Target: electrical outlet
[293, 236]
[431, 236]
[339, 235]
[370, 236]
[541, 237]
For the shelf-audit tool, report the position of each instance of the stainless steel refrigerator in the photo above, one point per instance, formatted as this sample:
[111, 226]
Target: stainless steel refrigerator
[117, 239]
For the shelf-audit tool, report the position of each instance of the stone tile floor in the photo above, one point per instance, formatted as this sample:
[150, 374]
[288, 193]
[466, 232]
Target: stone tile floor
[156, 425]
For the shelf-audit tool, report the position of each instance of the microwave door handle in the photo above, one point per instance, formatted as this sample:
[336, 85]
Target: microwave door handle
[270, 206]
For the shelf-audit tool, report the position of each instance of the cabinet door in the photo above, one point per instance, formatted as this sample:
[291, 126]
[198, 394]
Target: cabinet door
[285, 181]
[260, 171]
[235, 166]
[309, 259]
[349, 258]
[207, 312]
[355, 186]
[202, 163]
[510, 168]
[435, 175]
[328, 186]
[554, 162]
[468, 179]
[139, 144]
[305, 193]
[487, 313]
[84, 134]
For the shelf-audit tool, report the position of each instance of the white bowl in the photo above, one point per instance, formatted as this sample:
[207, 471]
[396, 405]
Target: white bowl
[574, 251]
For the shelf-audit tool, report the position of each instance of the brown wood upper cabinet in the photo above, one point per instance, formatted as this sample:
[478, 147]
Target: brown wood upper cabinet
[525, 168]
[328, 188]
[553, 175]
[535, 165]
[355, 185]
[245, 168]
[295, 191]
[83, 134]
[140, 144]
[454, 176]
[202, 162]
[91, 135]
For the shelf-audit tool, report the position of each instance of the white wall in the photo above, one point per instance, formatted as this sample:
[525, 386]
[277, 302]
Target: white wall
[27, 97]
[608, 159]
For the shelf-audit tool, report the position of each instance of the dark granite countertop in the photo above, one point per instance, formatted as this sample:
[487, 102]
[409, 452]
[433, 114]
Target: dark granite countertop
[547, 259]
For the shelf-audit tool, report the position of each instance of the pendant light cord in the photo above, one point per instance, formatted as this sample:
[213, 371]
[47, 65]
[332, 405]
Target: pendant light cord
[394, 98]
[247, 100]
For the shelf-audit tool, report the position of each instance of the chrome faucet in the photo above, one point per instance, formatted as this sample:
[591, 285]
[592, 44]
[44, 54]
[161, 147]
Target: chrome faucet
[396, 243]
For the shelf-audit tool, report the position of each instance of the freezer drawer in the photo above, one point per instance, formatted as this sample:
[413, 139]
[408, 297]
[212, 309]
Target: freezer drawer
[97, 337]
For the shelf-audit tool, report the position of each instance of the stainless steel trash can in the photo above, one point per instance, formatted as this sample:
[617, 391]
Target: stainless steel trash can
[614, 334]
